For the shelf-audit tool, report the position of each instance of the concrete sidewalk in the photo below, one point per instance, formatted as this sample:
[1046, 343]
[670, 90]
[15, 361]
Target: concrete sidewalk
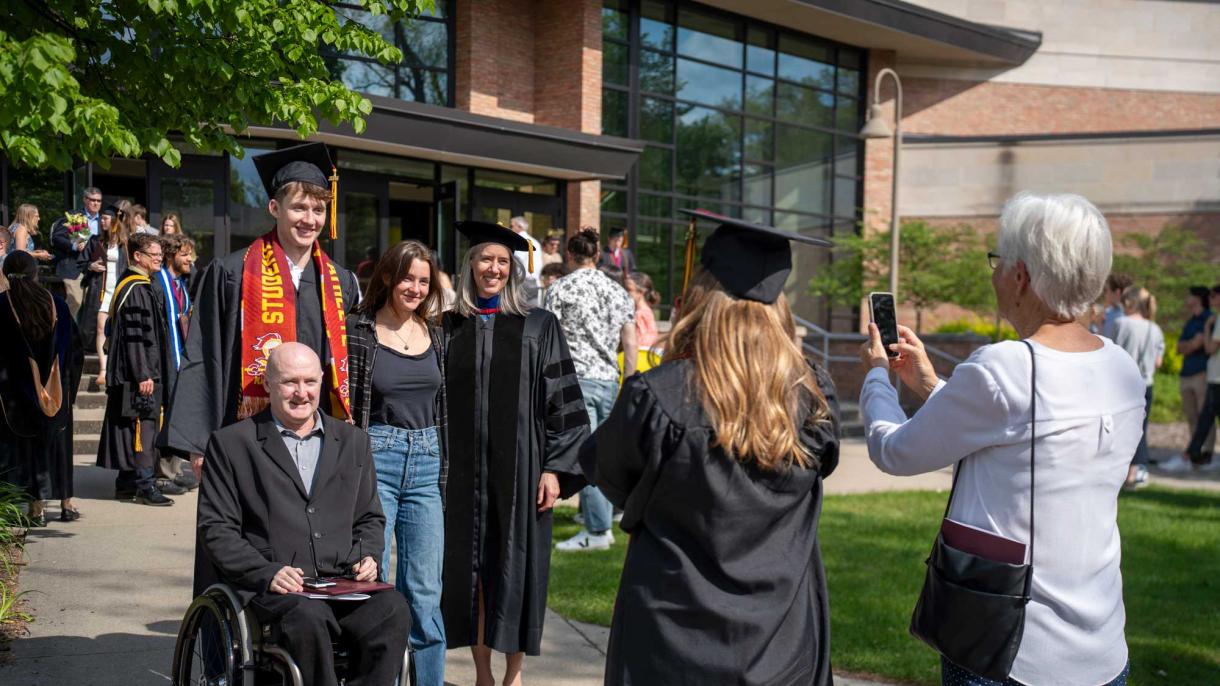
[108, 591]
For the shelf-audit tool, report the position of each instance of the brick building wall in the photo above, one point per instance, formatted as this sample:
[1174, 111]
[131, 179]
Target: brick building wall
[538, 62]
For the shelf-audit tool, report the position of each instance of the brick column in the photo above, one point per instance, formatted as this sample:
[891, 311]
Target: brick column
[568, 86]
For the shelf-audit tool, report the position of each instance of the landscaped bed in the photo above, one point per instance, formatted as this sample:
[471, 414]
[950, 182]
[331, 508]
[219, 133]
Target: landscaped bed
[874, 546]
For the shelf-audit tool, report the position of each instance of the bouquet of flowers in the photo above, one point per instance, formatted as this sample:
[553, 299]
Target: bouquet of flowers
[78, 227]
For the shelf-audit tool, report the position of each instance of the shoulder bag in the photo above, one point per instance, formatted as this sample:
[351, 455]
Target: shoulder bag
[972, 609]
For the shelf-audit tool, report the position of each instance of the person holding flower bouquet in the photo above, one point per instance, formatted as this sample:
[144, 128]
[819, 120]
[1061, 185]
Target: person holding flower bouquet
[69, 236]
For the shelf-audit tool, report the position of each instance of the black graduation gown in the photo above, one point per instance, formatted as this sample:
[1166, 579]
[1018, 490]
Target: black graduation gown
[91, 287]
[515, 410]
[135, 352]
[723, 581]
[207, 389]
[36, 450]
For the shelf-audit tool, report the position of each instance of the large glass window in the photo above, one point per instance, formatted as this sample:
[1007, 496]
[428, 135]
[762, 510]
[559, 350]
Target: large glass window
[427, 56]
[740, 117]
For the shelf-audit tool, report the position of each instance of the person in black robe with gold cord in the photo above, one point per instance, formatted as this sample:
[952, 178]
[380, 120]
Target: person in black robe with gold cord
[717, 458]
[516, 420]
[41, 358]
[282, 288]
[135, 377]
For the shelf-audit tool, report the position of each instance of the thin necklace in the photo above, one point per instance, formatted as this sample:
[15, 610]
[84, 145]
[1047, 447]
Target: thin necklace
[405, 345]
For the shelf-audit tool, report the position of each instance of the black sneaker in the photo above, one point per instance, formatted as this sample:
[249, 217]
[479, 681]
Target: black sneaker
[169, 487]
[153, 497]
[187, 481]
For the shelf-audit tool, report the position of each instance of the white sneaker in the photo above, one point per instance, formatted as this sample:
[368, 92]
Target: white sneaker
[586, 541]
[1141, 476]
[1213, 466]
[1177, 463]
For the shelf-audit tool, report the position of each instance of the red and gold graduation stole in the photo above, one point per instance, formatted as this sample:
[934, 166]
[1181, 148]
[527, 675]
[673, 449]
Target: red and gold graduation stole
[269, 318]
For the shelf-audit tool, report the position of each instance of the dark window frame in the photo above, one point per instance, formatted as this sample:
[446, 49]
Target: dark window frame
[448, 19]
[842, 55]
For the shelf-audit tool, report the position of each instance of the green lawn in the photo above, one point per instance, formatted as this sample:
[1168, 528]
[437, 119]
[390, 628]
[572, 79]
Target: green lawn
[1166, 399]
[874, 546]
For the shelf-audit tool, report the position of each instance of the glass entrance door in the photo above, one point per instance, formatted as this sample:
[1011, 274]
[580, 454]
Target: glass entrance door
[543, 212]
[362, 223]
[195, 192]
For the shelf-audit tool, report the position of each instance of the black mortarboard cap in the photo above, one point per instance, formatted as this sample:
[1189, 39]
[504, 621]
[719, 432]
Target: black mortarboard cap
[110, 210]
[486, 232]
[308, 163]
[751, 261]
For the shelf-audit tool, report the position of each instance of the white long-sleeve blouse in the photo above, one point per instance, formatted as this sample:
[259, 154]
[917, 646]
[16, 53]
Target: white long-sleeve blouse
[1090, 419]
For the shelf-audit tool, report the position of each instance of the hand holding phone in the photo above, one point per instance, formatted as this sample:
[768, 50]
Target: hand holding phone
[881, 311]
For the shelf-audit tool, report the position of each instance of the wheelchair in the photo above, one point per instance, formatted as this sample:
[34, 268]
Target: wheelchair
[221, 644]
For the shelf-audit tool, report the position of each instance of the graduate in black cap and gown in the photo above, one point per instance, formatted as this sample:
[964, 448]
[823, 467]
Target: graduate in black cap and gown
[282, 288]
[516, 420]
[717, 458]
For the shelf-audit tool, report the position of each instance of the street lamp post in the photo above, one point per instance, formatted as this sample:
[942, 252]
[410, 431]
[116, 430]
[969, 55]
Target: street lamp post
[876, 127]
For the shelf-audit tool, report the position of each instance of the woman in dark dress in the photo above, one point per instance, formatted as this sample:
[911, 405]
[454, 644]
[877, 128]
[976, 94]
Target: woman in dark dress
[396, 364]
[717, 458]
[36, 412]
[516, 419]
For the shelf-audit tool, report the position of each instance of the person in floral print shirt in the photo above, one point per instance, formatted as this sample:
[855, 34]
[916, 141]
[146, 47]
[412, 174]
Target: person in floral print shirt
[597, 317]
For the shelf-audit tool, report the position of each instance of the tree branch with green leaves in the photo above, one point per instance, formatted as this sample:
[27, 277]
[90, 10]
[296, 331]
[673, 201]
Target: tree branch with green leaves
[87, 81]
[937, 265]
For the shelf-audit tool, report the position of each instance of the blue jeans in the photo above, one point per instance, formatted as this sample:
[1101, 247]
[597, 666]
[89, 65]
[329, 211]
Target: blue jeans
[952, 675]
[599, 400]
[408, 482]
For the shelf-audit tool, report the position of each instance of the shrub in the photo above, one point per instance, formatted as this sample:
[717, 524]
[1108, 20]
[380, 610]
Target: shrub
[979, 327]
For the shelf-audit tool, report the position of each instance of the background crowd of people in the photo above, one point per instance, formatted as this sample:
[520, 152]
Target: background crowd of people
[482, 402]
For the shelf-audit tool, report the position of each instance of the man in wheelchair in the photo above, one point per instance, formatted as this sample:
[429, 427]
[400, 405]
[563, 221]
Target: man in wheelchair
[289, 494]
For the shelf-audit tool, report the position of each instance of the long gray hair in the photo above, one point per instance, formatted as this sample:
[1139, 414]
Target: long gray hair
[511, 300]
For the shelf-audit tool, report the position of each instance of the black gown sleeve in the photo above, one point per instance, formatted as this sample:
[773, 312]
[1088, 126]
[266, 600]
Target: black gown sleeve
[624, 456]
[821, 438]
[198, 404]
[134, 331]
[219, 524]
[567, 421]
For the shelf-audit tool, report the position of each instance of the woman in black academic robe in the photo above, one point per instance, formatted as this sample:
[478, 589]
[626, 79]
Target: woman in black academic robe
[723, 581]
[516, 420]
[36, 449]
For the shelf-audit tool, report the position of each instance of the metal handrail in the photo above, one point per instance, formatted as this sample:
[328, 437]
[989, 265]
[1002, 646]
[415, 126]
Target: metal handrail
[828, 336]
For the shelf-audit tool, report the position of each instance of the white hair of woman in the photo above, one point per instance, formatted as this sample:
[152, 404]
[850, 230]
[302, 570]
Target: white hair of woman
[511, 299]
[1065, 244]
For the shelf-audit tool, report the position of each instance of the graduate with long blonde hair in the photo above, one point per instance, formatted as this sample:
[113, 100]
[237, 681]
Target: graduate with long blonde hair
[717, 458]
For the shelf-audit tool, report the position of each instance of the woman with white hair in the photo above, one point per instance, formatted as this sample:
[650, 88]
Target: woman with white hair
[1053, 255]
[516, 420]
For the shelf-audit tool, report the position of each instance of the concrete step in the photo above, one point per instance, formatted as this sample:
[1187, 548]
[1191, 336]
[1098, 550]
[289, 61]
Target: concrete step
[90, 400]
[85, 444]
[87, 422]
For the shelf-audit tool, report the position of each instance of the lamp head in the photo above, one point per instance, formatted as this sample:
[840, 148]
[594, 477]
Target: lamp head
[876, 126]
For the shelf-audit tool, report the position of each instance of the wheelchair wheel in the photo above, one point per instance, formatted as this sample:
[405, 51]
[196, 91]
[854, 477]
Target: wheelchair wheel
[207, 649]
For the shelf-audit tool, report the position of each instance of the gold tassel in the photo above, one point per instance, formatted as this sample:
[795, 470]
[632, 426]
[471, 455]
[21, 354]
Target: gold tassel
[625, 234]
[530, 250]
[689, 264]
[334, 202]
[138, 446]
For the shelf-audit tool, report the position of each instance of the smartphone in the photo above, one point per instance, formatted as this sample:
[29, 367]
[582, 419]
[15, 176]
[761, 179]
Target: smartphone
[881, 310]
[316, 583]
